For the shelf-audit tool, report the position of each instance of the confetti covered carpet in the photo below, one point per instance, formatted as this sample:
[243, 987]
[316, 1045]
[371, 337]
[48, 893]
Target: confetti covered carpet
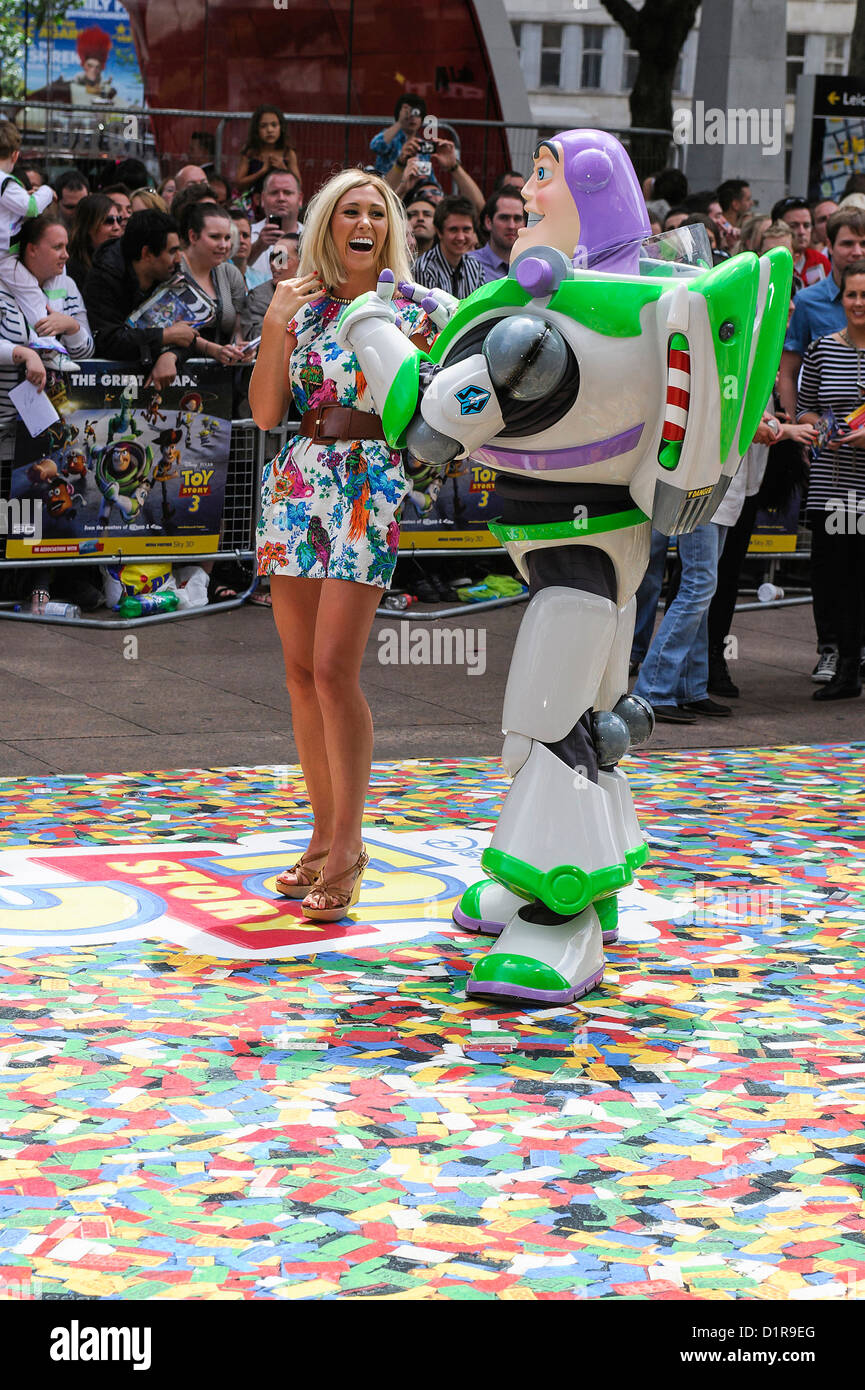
[185, 1120]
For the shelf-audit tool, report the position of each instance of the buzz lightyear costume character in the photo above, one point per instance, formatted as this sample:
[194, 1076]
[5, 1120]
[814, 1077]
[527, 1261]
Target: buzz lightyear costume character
[611, 391]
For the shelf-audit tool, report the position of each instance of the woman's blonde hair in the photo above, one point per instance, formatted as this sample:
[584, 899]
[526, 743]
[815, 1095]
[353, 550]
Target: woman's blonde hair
[150, 199]
[318, 251]
[776, 230]
[752, 231]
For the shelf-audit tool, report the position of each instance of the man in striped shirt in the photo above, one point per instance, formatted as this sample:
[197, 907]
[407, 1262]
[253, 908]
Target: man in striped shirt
[447, 265]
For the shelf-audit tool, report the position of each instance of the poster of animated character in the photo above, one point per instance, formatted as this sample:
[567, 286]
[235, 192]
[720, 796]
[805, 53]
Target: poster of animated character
[126, 468]
[448, 507]
[84, 57]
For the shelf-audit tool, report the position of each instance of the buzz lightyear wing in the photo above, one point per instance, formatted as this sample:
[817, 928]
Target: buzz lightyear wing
[721, 336]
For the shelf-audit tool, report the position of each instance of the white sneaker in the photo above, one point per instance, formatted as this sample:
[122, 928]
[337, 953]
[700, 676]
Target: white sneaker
[826, 666]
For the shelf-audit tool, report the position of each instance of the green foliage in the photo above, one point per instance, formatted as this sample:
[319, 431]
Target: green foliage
[39, 13]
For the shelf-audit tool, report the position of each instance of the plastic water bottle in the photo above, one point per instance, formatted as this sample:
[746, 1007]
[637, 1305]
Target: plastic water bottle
[138, 605]
[767, 593]
[397, 602]
[61, 610]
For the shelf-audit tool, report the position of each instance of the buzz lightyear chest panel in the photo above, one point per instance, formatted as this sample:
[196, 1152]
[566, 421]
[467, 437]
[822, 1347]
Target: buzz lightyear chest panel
[592, 426]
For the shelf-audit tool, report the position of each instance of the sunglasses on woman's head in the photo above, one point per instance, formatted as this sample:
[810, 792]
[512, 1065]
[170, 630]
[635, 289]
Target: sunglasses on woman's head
[116, 221]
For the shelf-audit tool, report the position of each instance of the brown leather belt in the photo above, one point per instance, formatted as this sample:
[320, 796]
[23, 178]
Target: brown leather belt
[331, 422]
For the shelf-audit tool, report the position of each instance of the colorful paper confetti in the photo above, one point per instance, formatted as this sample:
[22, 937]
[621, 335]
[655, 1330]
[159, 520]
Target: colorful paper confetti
[176, 1126]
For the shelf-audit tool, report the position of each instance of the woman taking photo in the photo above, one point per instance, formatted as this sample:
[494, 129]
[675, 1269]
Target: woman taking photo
[205, 262]
[833, 378]
[328, 533]
[96, 221]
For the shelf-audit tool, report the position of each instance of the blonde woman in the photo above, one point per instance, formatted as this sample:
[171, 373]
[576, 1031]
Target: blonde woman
[328, 533]
[145, 199]
[752, 230]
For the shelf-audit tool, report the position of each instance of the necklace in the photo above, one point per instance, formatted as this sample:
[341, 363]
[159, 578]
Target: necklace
[860, 352]
[336, 299]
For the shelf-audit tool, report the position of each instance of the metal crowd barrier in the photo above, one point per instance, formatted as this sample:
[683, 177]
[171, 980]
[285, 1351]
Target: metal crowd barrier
[248, 452]
[60, 133]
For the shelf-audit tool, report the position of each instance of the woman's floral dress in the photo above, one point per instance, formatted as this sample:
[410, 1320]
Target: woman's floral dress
[328, 511]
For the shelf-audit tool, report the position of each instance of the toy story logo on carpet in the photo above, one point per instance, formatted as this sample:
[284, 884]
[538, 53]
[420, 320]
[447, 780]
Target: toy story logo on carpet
[351, 1126]
[220, 900]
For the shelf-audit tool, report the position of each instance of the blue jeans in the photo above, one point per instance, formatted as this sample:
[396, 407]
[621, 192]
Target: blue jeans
[647, 596]
[676, 667]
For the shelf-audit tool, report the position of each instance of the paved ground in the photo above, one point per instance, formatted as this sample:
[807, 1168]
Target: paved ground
[209, 692]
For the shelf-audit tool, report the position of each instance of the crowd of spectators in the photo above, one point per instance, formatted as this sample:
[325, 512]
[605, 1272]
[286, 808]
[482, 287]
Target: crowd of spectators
[236, 235]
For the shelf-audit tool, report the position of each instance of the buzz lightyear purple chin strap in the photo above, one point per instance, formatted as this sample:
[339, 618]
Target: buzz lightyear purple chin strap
[612, 225]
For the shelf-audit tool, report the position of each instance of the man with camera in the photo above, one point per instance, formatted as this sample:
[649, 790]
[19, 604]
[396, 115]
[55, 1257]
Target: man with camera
[280, 205]
[387, 145]
[422, 158]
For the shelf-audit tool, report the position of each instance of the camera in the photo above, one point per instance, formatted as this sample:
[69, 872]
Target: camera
[274, 220]
[422, 159]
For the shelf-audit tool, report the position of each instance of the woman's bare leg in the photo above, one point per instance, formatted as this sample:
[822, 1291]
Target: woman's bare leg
[345, 613]
[295, 608]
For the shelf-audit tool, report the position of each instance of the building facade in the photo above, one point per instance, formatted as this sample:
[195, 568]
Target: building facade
[579, 70]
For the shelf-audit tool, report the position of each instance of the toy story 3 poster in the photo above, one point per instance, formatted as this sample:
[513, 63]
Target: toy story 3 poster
[448, 507]
[126, 468]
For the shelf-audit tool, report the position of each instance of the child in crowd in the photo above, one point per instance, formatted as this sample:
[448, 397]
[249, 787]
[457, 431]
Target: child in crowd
[267, 147]
[17, 203]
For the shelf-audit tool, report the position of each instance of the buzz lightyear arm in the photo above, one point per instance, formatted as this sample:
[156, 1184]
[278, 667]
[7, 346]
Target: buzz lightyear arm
[392, 365]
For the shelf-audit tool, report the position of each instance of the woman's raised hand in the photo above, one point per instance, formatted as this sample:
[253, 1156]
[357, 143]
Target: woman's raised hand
[290, 295]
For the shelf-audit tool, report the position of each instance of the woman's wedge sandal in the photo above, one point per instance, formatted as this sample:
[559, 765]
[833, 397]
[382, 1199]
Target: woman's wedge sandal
[303, 877]
[325, 903]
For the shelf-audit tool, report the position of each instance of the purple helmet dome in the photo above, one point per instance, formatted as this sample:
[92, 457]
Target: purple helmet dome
[609, 199]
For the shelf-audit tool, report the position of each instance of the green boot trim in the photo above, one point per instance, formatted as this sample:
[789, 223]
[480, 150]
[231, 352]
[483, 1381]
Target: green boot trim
[470, 900]
[566, 889]
[497, 967]
[635, 857]
[608, 912]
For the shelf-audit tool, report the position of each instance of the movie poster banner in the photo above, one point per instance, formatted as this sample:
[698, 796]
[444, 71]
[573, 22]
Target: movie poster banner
[84, 57]
[449, 513]
[126, 469]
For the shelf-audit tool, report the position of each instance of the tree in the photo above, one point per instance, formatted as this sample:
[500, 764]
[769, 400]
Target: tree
[657, 32]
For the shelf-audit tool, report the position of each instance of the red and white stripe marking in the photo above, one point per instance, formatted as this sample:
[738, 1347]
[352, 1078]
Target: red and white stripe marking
[678, 394]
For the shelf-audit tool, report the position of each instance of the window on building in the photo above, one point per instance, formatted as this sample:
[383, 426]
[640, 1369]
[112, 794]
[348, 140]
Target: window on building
[551, 54]
[795, 60]
[593, 52]
[517, 31]
[835, 58]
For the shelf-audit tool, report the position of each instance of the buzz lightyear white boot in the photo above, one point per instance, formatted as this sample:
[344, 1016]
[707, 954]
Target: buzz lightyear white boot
[486, 907]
